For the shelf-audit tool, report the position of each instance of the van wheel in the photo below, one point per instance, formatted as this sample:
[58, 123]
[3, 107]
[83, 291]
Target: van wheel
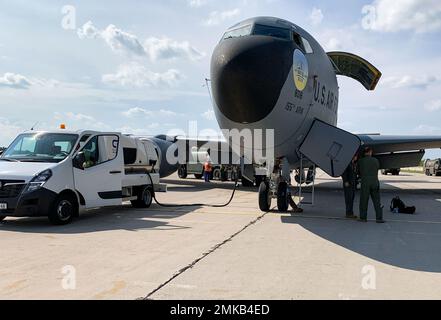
[2, 218]
[145, 198]
[63, 210]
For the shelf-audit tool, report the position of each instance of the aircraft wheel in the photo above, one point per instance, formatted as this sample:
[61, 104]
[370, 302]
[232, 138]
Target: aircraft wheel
[264, 197]
[282, 197]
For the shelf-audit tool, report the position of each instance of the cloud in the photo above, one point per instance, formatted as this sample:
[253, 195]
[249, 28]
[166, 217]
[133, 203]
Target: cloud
[8, 131]
[409, 15]
[141, 112]
[136, 75]
[333, 44]
[217, 17]
[407, 81]
[197, 3]
[88, 31]
[80, 121]
[14, 81]
[165, 48]
[209, 115]
[434, 105]
[427, 130]
[120, 41]
[316, 16]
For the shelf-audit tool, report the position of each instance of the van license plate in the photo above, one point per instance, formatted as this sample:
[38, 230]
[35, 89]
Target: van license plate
[3, 206]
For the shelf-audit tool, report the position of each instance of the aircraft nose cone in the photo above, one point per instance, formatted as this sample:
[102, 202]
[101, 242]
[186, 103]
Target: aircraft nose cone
[248, 75]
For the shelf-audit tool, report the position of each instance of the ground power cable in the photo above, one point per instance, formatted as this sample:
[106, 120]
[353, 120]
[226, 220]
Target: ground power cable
[236, 184]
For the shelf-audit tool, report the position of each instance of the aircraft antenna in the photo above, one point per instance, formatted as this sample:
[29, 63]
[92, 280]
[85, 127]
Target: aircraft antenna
[35, 124]
[209, 91]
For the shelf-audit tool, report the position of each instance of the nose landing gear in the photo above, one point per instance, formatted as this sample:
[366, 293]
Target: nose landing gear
[277, 187]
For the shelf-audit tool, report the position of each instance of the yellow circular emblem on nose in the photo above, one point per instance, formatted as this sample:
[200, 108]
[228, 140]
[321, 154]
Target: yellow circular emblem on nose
[301, 70]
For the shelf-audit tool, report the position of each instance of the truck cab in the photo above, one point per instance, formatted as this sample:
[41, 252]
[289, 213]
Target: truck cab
[432, 167]
[60, 174]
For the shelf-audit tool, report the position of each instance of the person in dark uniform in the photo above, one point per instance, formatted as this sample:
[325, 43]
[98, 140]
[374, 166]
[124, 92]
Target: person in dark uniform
[368, 168]
[350, 187]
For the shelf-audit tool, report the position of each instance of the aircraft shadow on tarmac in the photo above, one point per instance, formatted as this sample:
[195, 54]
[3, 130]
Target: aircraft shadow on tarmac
[406, 241]
[105, 219]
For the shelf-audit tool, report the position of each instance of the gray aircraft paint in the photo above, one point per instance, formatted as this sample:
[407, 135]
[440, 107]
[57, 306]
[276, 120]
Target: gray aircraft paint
[292, 125]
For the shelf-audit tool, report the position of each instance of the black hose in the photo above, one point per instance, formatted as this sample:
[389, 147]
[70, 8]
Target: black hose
[196, 204]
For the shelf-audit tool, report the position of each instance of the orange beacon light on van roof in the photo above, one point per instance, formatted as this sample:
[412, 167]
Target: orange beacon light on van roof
[62, 126]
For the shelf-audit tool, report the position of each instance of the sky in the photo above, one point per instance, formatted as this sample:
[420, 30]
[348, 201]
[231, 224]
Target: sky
[140, 67]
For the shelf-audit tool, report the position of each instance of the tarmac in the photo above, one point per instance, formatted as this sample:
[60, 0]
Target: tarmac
[236, 252]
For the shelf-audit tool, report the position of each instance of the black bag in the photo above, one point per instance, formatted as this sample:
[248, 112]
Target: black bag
[397, 205]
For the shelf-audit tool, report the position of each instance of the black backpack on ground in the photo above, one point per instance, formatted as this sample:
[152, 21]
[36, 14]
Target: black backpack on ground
[397, 205]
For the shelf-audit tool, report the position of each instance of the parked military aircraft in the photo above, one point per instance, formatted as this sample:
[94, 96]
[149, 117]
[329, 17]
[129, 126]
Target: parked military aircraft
[268, 73]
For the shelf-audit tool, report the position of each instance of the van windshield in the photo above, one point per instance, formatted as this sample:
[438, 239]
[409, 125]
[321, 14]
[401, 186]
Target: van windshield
[40, 147]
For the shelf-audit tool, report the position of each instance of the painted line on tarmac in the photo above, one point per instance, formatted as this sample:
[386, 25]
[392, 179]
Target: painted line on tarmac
[206, 254]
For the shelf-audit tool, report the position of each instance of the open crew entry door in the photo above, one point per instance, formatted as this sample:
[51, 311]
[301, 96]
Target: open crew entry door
[355, 67]
[330, 148]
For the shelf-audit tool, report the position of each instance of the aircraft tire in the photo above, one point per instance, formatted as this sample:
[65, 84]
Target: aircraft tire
[264, 198]
[282, 197]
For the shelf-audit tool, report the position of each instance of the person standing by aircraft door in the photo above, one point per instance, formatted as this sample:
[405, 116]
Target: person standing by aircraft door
[349, 186]
[208, 169]
[368, 168]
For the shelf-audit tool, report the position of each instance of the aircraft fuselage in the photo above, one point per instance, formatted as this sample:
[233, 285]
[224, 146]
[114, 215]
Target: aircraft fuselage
[268, 73]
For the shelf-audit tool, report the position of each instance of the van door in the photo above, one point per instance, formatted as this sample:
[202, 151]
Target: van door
[99, 177]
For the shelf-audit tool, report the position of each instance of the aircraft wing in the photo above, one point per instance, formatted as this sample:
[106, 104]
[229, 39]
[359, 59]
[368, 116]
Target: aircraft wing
[400, 151]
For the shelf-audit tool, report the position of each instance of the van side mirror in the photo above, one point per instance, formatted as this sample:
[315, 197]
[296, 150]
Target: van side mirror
[79, 160]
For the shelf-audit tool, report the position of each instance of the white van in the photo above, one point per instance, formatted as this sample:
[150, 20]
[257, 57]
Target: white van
[60, 174]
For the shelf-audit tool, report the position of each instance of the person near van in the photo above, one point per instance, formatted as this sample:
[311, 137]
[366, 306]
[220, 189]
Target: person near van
[350, 187]
[89, 159]
[208, 169]
[368, 168]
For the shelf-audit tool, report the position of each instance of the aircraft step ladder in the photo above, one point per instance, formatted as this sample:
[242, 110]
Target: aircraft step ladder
[309, 189]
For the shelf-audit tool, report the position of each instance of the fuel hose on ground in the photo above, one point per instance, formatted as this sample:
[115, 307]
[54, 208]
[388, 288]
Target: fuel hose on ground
[196, 204]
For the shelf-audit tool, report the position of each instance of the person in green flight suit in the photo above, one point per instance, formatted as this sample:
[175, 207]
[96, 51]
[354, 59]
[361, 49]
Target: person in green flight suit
[368, 168]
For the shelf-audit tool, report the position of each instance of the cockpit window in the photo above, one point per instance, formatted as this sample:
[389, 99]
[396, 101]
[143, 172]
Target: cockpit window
[239, 32]
[307, 46]
[272, 32]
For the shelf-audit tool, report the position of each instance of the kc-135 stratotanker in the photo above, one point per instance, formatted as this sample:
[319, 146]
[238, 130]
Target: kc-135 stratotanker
[268, 73]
